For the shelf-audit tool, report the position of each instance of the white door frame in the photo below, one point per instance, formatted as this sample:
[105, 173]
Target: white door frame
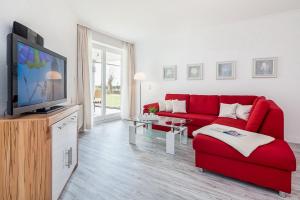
[104, 116]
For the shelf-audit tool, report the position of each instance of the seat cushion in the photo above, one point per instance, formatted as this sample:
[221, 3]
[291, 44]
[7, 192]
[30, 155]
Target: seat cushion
[170, 114]
[257, 116]
[200, 119]
[196, 119]
[204, 104]
[237, 123]
[185, 97]
[276, 154]
[244, 100]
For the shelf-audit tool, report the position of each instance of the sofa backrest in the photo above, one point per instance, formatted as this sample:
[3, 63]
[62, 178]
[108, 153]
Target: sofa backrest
[241, 99]
[273, 124]
[204, 104]
[185, 97]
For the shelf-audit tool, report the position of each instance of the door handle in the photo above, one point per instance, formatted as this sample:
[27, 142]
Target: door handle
[68, 157]
[63, 125]
[73, 118]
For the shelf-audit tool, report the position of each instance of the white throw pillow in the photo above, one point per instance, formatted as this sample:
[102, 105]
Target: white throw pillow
[179, 106]
[162, 106]
[228, 110]
[169, 105]
[243, 111]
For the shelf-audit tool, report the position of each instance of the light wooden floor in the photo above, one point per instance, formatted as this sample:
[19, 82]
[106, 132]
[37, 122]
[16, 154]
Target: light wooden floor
[109, 168]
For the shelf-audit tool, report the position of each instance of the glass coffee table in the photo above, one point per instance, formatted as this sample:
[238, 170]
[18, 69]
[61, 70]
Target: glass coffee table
[177, 127]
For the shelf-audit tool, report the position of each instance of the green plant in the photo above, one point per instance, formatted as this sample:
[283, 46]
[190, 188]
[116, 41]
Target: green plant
[152, 110]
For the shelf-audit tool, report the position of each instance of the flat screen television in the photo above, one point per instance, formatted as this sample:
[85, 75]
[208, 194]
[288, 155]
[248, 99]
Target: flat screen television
[37, 77]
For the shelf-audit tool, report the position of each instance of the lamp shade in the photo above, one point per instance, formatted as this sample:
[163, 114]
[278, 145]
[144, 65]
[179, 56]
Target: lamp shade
[139, 76]
[53, 75]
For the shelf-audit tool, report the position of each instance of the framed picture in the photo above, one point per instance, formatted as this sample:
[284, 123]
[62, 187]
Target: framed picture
[195, 71]
[226, 70]
[264, 67]
[170, 73]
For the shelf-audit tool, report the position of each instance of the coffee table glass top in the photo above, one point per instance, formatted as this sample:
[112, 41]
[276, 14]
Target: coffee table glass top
[161, 120]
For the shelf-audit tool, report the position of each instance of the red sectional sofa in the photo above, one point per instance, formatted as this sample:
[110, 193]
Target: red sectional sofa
[269, 166]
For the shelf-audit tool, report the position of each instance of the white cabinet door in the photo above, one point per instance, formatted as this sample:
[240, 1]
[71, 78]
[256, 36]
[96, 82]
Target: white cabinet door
[64, 152]
[71, 143]
[58, 179]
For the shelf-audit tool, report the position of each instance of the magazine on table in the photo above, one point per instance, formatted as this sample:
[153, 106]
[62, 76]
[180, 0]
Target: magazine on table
[229, 132]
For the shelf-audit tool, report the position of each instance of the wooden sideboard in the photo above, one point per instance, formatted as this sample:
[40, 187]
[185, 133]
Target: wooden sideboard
[28, 163]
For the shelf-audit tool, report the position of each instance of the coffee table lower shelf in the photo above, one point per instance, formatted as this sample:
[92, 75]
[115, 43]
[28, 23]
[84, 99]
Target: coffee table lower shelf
[170, 136]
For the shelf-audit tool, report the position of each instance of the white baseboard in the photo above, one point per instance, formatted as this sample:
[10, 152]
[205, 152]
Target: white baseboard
[294, 140]
[107, 119]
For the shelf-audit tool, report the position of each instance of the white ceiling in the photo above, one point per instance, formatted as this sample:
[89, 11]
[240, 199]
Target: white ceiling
[137, 19]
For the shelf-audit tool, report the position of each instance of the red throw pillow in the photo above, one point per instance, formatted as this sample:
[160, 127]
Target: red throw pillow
[257, 116]
[255, 102]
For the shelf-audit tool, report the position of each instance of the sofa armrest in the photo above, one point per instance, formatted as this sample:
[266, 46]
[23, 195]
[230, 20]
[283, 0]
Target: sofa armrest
[147, 106]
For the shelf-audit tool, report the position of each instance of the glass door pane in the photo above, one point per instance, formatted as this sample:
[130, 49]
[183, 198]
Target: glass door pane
[113, 83]
[97, 103]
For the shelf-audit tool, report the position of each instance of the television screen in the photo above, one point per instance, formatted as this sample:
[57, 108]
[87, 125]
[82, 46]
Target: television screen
[41, 76]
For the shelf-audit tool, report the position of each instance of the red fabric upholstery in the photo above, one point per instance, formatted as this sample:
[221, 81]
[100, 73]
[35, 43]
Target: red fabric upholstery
[190, 127]
[257, 116]
[276, 154]
[269, 165]
[204, 104]
[169, 114]
[270, 177]
[197, 119]
[185, 97]
[273, 123]
[244, 100]
[237, 123]
[161, 128]
[197, 122]
[255, 102]
[200, 119]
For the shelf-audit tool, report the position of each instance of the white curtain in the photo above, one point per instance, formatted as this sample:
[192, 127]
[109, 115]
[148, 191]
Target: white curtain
[84, 74]
[128, 94]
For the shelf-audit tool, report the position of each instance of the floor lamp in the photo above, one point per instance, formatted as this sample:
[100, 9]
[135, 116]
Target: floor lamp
[140, 76]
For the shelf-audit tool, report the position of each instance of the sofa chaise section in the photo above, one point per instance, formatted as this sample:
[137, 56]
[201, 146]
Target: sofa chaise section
[269, 166]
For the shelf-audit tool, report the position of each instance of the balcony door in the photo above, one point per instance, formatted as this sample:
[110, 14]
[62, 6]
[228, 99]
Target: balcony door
[106, 82]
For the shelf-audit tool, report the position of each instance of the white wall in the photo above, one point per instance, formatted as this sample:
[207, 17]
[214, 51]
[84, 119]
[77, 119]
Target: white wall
[106, 40]
[270, 36]
[51, 19]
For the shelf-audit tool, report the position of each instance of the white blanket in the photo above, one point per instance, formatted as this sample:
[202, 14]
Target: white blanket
[243, 141]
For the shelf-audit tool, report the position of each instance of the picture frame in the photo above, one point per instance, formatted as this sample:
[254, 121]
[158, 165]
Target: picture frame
[264, 67]
[195, 71]
[226, 70]
[170, 73]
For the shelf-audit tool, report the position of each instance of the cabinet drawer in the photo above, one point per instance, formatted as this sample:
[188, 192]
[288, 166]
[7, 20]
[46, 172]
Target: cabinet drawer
[64, 126]
[72, 118]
